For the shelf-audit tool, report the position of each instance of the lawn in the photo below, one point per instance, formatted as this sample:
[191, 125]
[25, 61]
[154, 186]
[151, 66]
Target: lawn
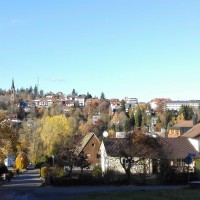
[183, 194]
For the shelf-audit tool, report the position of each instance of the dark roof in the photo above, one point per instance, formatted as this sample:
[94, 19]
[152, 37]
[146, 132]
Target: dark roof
[113, 146]
[174, 148]
[178, 148]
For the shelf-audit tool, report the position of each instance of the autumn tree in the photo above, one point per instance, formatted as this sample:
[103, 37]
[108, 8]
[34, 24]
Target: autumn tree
[9, 137]
[51, 129]
[22, 161]
[30, 140]
[136, 150]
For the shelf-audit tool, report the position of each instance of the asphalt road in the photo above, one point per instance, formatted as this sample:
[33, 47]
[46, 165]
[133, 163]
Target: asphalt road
[26, 186]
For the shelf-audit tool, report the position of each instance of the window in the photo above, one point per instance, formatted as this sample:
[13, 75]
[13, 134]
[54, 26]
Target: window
[93, 144]
[180, 162]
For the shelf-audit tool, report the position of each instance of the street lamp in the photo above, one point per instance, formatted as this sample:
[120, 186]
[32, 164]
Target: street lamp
[53, 160]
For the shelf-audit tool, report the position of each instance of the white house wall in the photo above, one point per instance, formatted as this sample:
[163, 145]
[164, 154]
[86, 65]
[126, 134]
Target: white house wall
[195, 143]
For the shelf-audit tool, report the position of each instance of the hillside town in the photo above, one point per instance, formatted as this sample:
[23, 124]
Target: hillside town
[80, 133]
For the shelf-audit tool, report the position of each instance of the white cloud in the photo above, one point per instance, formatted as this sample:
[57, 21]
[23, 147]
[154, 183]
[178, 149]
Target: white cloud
[57, 79]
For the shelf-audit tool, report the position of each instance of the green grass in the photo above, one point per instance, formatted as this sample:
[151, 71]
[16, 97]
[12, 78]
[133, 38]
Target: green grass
[183, 194]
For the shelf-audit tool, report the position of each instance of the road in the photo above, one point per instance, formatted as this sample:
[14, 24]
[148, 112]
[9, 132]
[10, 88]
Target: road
[26, 186]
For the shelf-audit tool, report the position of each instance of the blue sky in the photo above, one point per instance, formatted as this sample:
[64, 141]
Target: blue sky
[144, 49]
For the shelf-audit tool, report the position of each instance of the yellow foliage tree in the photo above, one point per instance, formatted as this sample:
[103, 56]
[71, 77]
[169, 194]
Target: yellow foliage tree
[21, 161]
[111, 133]
[53, 130]
[9, 137]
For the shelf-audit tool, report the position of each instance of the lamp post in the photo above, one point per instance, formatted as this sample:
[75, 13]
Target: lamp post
[53, 160]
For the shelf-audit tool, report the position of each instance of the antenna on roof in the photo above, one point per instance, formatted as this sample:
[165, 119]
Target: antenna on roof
[37, 87]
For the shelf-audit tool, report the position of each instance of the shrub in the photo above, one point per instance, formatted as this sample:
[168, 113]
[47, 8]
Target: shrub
[58, 172]
[22, 161]
[3, 169]
[44, 171]
[97, 172]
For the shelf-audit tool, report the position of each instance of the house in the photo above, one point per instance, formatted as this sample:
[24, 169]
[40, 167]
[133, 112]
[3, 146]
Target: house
[176, 150]
[130, 103]
[193, 135]
[180, 128]
[154, 103]
[89, 144]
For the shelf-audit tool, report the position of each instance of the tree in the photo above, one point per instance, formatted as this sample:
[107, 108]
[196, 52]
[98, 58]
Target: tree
[132, 120]
[53, 130]
[88, 96]
[74, 93]
[102, 96]
[9, 137]
[139, 148]
[30, 140]
[187, 112]
[22, 161]
[82, 161]
[138, 117]
[65, 156]
[123, 107]
[35, 90]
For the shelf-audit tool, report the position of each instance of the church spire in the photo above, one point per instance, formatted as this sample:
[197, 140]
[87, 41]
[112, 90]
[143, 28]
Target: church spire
[13, 85]
[12, 97]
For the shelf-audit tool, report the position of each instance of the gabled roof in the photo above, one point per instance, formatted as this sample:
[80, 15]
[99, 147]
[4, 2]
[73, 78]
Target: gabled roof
[178, 148]
[185, 123]
[113, 146]
[193, 132]
[174, 148]
[84, 142]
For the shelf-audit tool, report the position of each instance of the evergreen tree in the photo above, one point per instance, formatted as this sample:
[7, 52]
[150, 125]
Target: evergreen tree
[74, 93]
[123, 107]
[138, 117]
[132, 120]
[35, 90]
[187, 112]
[102, 96]
[89, 96]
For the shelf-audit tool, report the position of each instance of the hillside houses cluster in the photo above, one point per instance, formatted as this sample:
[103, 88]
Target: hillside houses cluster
[181, 140]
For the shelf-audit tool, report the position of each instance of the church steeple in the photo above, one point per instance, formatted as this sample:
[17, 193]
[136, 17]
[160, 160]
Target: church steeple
[12, 98]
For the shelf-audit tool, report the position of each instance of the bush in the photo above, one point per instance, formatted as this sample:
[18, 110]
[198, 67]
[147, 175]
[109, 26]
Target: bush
[3, 169]
[97, 172]
[44, 171]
